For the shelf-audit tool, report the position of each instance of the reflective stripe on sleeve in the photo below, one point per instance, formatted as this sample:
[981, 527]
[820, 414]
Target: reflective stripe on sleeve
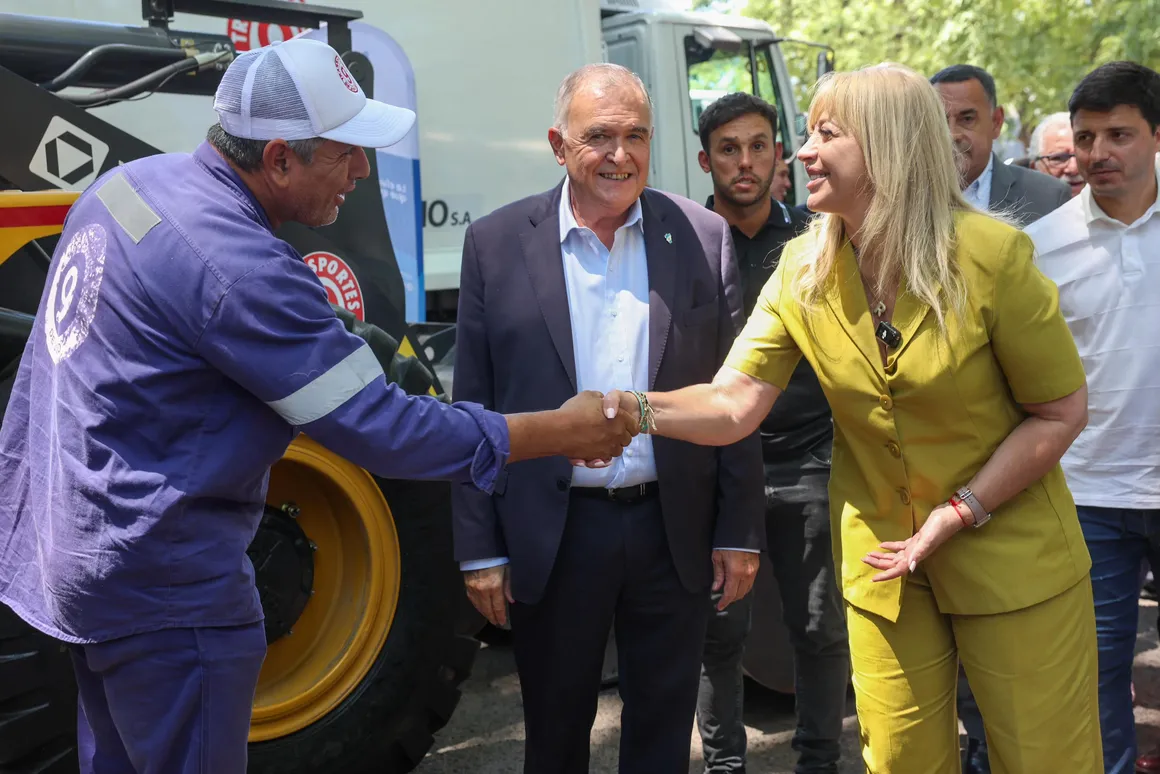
[329, 391]
[127, 207]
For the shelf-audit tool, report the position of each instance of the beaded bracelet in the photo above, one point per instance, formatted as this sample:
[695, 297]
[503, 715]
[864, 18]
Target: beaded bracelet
[648, 421]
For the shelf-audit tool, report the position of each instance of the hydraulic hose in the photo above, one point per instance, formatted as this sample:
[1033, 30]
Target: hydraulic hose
[81, 66]
[144, 83]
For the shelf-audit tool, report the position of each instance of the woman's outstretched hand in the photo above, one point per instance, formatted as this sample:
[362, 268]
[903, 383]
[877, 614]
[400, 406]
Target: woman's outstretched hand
[901, 557]
[620, 400]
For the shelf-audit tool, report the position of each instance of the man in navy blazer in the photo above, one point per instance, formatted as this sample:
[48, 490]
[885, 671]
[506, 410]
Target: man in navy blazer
[602, 283]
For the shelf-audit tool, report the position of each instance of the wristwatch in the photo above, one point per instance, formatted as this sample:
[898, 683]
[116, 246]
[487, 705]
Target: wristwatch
[980, 513]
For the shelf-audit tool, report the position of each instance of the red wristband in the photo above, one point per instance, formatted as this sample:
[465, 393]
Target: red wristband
[959, 506]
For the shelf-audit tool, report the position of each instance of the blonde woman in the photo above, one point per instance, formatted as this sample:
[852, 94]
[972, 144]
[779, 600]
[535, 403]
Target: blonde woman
[955, 388]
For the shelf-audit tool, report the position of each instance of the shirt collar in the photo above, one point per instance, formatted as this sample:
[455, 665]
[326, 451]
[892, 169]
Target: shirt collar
[1093, 212]
[220, 169]
[568, 222]
[983, 181]
[778, 212]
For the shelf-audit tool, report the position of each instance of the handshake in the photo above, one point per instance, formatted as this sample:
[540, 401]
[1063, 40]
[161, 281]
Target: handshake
[593, 428]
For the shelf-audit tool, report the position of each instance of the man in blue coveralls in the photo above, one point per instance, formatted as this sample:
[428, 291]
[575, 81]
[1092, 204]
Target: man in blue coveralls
[178, 349]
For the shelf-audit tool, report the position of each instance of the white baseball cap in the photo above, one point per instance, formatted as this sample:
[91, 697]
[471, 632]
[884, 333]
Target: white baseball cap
[298, 89]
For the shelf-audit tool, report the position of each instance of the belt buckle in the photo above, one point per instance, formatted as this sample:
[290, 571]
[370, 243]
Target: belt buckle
[631, 493]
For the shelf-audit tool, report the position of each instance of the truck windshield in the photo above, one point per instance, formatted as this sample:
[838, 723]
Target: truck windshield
[714, 73]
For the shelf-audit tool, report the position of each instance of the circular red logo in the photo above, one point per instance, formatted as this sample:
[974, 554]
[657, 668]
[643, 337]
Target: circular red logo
[248, 35]
[342, 288]
[343, 73]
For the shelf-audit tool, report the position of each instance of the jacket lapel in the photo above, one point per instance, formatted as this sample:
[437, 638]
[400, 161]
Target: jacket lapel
[1001, 182]
[663, 270]
[909, 312]
[545, 263]
[847, 299]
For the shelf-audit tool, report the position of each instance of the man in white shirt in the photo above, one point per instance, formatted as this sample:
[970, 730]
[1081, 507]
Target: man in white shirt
[1103, 251]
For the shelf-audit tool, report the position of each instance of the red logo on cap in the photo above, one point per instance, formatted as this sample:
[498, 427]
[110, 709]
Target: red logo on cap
[336, 276]
[344, 74]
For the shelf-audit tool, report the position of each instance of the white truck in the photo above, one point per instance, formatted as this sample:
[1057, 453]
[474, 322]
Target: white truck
[485, 74]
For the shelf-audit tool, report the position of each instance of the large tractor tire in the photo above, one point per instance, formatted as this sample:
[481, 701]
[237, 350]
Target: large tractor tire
[368, 641]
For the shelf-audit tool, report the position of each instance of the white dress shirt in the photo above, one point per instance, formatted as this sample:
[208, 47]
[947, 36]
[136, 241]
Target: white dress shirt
[978, 193]
[1108, 275]
[608, 305]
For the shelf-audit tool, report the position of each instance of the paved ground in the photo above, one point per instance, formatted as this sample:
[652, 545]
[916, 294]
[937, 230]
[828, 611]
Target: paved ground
[484, 737]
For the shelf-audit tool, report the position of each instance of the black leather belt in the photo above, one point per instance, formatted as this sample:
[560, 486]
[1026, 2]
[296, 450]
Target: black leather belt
[625, 494]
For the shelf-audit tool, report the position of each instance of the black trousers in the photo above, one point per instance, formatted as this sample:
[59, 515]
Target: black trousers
[798, 534]
[613, 568]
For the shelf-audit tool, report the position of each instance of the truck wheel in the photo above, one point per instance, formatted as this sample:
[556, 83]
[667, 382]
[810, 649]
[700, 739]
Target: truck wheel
[363, 603]
[371, 668]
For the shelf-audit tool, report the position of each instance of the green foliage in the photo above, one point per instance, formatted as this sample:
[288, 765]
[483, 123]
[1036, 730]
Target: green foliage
[721, 73]
[1037, 50]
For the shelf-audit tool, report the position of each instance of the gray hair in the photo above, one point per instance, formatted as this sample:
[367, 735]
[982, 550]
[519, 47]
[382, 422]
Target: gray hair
[1052, 121]
[247, 154]
[605, 75]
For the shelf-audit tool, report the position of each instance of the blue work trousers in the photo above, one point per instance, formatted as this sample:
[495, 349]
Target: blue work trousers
[1119, 540]
[175, 701]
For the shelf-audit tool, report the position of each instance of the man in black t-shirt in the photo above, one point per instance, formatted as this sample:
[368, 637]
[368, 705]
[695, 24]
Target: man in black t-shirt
[740, 149]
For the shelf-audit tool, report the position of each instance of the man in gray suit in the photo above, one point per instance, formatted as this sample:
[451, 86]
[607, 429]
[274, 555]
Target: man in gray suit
[976, 120]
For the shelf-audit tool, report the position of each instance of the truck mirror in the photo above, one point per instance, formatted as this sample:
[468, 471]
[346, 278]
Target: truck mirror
[718, 39]
[825, 63]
